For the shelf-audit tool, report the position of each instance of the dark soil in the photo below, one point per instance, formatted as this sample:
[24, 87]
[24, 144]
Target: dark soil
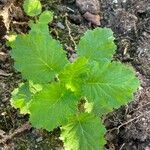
[128, 128]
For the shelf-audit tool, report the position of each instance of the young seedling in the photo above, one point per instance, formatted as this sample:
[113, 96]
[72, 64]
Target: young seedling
[92, 85]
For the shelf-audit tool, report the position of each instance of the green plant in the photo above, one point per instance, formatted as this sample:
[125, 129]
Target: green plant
[32, 7]
[71, 96]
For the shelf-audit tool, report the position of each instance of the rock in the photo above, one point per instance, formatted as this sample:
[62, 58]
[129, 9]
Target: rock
[90, 10]
[91, 6]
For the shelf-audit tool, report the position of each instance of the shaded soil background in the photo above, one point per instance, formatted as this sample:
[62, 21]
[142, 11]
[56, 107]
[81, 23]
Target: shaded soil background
[128, 128]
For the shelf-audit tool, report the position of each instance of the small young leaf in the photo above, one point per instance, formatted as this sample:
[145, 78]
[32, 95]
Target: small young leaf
[22, 96]
[73, 74]
[37, 55]
[97, 44]
[41, 25]
[110, 85]
[11, 39]
[84, 132]
[46, 17]
[52, 107]
[32, 7]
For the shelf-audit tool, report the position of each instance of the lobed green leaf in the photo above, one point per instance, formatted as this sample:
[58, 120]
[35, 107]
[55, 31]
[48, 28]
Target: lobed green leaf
[83, 132]
[97, 44]
[52, 107]
[37, 55]
[21, 96]
[109, 85]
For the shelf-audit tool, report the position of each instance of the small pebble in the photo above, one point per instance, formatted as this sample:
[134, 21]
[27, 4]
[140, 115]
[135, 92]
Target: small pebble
[60, 25]
[73, 58]
[3, 113]
[128, 116]
[39, 139]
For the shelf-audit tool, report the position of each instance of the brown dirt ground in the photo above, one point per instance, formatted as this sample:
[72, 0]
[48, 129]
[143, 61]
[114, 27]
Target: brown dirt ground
[128, 128]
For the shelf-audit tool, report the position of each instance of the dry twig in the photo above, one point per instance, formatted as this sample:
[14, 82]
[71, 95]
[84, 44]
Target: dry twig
[129, 121]
[69, 30]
